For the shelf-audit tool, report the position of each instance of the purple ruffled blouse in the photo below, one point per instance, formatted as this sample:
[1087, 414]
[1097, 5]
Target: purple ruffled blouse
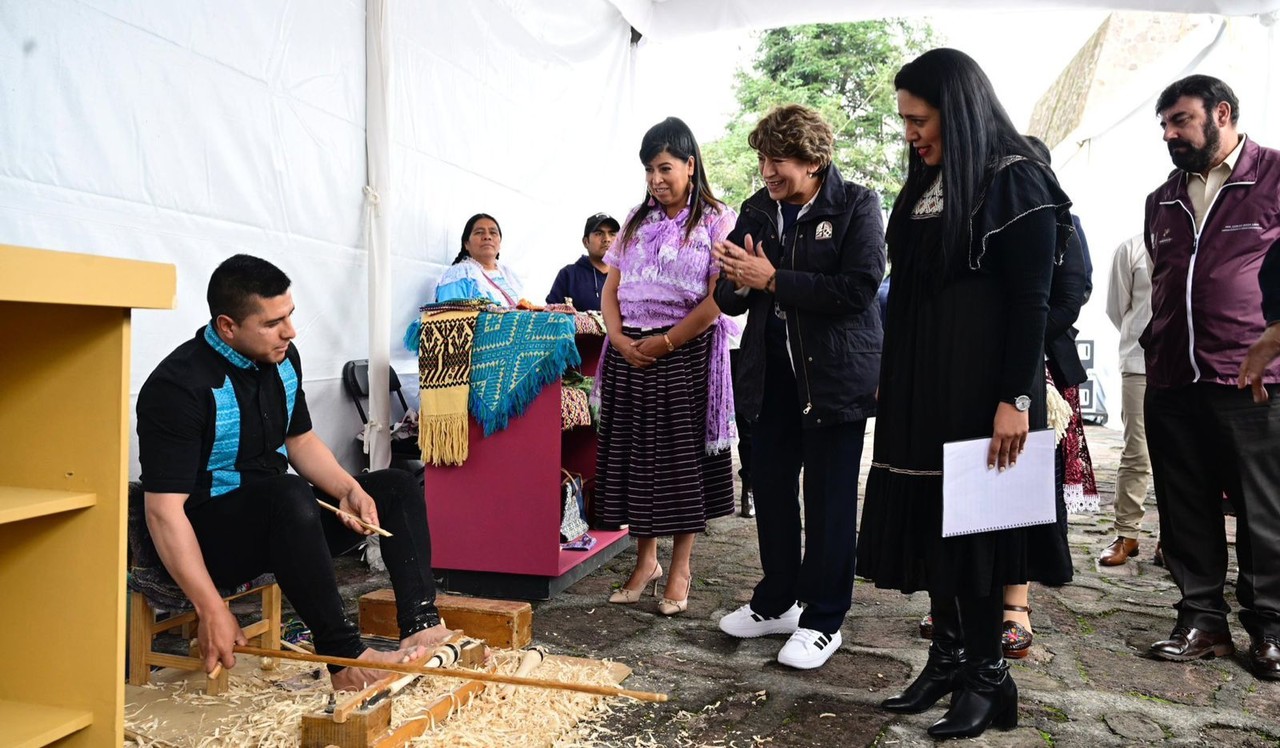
[663, 277]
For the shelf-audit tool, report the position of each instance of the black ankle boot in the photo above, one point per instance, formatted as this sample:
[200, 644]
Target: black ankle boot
[987, 697]
[942, 673]
[748, 501]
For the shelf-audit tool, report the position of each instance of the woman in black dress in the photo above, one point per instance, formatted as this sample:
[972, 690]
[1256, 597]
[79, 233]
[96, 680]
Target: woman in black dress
[973, 238]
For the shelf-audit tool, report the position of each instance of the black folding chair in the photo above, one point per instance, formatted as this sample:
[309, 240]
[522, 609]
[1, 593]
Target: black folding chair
[355, 379]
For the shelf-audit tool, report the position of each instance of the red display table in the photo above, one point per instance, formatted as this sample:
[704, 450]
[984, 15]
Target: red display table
[495, 520]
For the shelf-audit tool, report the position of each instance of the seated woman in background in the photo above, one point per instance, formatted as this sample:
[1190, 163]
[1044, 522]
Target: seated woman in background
[476, 272]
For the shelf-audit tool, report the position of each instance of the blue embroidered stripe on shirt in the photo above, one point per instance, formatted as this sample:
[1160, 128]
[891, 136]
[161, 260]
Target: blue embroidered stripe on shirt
[289, 378]
[226, 440]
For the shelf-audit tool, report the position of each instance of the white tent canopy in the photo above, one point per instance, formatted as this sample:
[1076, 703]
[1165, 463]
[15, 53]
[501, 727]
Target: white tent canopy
[186, 132]
[668, 19]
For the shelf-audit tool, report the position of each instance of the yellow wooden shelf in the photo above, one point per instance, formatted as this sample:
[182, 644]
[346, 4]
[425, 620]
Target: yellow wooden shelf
[67, 319]
[24, 725]
[42, 276]
[18, 503]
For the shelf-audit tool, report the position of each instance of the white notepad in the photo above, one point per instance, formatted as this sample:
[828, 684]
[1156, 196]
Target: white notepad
[975, 499]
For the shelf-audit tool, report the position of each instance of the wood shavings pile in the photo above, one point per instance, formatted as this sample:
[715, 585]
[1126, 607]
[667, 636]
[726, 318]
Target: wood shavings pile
[530, 717]
[257, 711]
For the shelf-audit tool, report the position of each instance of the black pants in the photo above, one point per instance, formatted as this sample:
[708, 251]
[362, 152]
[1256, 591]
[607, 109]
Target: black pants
[275, 526]
[830, 456]
[744, 431]
[1205, 439]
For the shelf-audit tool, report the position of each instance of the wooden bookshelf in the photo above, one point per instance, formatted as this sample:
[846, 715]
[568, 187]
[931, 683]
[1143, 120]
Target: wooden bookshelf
[64, 447]
[19, 503]
[32, 725]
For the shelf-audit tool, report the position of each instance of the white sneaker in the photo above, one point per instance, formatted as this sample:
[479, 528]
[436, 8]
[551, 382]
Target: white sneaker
[808, 649]
[745, 623]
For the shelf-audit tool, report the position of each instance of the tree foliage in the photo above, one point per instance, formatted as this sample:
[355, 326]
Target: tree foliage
[845, 71]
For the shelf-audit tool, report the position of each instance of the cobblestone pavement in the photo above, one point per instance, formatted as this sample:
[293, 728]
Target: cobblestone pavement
[1087, 682]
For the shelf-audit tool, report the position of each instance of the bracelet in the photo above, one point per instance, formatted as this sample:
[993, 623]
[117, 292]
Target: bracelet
[670, 347]
[771, 285]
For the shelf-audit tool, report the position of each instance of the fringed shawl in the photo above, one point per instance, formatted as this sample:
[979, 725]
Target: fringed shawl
[515, 355]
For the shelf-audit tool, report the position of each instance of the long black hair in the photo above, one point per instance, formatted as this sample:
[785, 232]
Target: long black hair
[977, 135]
[466, 234]
[673, 136]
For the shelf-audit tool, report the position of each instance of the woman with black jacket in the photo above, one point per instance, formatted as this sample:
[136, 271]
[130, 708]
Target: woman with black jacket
[804, 262]
[974, 237]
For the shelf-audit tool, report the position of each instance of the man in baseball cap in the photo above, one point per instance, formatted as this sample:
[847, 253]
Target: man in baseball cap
[583, 281]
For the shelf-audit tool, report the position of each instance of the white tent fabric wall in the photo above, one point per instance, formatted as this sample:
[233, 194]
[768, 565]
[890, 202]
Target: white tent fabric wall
[1116, 156]
[504, 108]
[187, 132]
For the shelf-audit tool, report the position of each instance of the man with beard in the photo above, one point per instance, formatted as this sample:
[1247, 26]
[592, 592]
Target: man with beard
[1209, 229]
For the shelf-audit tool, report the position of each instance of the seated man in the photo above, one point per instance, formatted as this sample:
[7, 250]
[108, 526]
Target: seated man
[583, 281]
[220, 421]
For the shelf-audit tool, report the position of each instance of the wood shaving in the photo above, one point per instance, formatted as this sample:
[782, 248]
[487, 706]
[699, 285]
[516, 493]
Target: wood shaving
[257, 712]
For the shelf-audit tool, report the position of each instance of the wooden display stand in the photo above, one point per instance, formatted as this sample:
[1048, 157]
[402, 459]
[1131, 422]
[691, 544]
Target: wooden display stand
[64, 448]
[495, 520]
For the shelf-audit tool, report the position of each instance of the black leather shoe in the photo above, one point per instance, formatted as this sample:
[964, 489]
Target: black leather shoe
[748, 502]
[1264, 657]
[1187, 643]
[987, 698]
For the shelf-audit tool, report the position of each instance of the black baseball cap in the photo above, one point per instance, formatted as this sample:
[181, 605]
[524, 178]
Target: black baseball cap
[595, 221]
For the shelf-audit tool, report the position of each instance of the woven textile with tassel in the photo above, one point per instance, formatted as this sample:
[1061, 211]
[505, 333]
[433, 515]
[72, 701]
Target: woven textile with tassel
[444, 382]
[515, 355]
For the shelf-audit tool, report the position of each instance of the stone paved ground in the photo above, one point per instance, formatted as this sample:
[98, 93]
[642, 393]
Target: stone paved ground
[1087, 682]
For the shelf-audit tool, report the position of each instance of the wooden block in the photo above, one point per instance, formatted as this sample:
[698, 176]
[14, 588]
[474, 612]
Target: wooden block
[472, 654]
[362, 729]
[500, 623]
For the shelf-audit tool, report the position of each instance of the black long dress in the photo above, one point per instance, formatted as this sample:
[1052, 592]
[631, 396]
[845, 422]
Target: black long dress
[955, 350]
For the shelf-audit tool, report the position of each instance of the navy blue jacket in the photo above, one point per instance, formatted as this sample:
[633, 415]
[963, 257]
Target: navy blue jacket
[580, 282]
[827, 280]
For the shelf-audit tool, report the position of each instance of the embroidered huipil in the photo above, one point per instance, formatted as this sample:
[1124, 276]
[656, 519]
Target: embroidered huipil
[663, 277]
[469, 280]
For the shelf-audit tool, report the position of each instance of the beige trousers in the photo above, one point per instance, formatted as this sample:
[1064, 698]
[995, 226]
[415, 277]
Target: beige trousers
[1134, 472]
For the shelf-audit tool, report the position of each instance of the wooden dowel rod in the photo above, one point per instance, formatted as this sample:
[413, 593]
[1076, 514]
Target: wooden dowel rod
[365, 525]
[399, 667]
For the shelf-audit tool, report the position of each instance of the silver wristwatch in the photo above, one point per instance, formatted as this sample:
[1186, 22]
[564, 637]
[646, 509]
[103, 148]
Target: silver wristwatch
[1022, 403]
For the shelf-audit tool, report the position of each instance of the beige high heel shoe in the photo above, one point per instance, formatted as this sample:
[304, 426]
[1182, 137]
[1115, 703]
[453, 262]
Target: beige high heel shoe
[624, 596]
[669, 607]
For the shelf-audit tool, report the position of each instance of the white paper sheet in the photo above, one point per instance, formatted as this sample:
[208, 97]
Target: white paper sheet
[975, 499]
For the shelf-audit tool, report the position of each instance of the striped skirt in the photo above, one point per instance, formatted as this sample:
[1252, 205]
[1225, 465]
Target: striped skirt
[652, 469]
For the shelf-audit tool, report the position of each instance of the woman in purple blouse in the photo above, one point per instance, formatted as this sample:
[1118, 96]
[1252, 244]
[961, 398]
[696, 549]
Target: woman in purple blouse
[666, 413]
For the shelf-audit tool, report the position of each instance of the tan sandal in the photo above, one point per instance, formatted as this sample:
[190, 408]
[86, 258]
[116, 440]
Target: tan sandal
[669, 607]
[625, 596]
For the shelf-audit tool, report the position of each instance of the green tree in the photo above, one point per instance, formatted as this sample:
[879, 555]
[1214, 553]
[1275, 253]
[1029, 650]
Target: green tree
[845, 71]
